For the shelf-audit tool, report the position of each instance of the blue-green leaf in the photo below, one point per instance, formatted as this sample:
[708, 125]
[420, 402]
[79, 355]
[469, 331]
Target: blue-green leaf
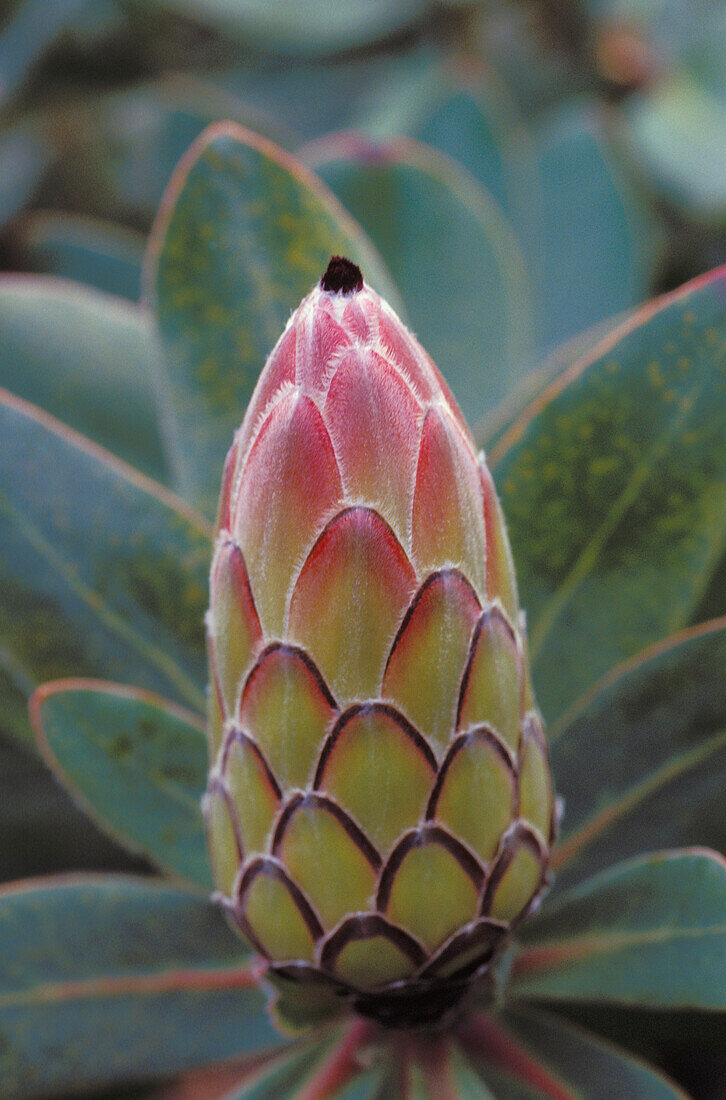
[640, 760]
[105, 981]
[613, 483]
[135, 762]
[452, 253]
[595, 247]
[648, 932]
[31, 31]
[305, 26]
[549, 1057]
[96, 253]
[103, 572]
[86, 358]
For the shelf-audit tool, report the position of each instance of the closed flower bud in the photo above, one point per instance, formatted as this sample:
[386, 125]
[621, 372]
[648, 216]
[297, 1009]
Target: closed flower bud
[379, 808]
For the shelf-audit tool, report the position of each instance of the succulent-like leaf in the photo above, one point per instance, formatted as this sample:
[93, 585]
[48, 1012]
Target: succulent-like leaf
[653, 733]
[97, 253]
[135, 762]
[463, 109]
[87, 359]
[614, 487]
[114, 980]
[690, 1045]
[118, 150]
[28, 34]
[56, 835]
[588, 237]
[103, 572]
[371, 1084]
[529, 1054]
[24, 154]
[226, 267]
[492, 427]
[674, 133]
[595, 247]
[327, 1070]
[651, 932]
[452, 253]
[302, 25]
[464, 1082]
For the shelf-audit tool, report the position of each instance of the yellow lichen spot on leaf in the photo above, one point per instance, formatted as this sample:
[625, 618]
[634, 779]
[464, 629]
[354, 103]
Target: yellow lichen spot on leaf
[655, 374]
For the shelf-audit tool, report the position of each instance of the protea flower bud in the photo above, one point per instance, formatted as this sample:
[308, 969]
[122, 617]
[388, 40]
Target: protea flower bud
[379, 807]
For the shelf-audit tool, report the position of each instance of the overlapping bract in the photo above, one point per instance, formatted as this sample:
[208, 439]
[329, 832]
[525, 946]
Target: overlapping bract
[379, 806]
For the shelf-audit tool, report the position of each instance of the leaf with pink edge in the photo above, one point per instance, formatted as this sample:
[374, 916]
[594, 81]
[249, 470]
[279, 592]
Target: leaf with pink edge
[649, 932]
[526, 1054]
[61, 350]
[103, 572]
[613, 483]
[110, 981]
[654, 735]
[327, 1070]
[135, 762]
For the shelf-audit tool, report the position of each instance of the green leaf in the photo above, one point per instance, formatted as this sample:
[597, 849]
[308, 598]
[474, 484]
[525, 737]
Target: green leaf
[136, 764]
[435, 1067]
[641, 759]
[97, 253]
[464, 111]
[24, 155]
[42, 830]
[507, 1088]
[304, 1068]
[691, 1046]
[649, 932]
[674, 133]
[466, 1082]
[29, 33]
[87, 359]
[452, 253]
[244, 233]
[595, 246]
[284, 1077]
[713, 601]
[613, 483]
[112, 155]
[305, 26]
[114, 980]
[588, 237]
[371, 1084]
[103, 572]
[551, 1058]
[307, 98]
[493, 427]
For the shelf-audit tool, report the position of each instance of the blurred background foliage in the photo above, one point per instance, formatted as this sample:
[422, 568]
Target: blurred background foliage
[530, 171]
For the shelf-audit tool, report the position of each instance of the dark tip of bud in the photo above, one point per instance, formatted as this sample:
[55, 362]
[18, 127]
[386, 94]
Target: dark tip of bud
[342, 276]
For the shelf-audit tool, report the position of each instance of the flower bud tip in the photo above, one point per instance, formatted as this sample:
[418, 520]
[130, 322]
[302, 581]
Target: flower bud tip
[342, 276]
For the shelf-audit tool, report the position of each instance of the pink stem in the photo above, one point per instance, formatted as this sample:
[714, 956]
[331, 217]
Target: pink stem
[340, 1066]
